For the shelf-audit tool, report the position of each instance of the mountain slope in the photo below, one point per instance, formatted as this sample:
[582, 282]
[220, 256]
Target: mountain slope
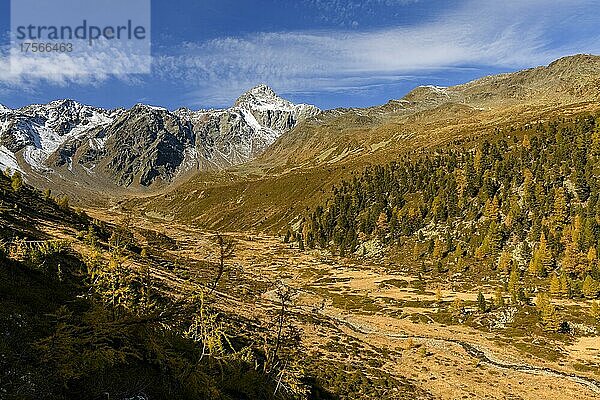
[298, 170]
[60, 337]
[430, 115]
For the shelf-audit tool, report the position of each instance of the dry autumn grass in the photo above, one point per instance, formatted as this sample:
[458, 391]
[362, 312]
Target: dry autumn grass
[389, 318]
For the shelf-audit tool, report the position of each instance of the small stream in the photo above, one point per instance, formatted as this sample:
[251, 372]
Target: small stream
[473, 351]
[484, 357]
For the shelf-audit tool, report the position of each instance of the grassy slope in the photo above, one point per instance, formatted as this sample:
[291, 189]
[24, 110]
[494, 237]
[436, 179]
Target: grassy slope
[56, 344]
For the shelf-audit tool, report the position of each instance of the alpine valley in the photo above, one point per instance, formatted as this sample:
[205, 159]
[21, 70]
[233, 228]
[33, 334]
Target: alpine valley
[443, 245]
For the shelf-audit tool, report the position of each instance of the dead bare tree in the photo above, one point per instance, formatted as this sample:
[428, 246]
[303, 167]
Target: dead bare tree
[285, 332]
[285, 295]
[282, 340]
[226, 249]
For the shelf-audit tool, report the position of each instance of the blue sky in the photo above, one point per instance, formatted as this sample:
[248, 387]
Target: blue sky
[332, 53]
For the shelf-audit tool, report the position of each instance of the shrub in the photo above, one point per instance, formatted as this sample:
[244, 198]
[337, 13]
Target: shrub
[63, 202]
[16, 181]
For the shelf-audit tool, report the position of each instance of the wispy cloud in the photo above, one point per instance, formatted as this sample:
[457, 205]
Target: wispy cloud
[510, 34]
[348, 13]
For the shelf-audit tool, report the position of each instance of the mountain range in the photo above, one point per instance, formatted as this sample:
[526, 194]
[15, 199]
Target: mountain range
[442, 245]
[261, 162]
[140, 147]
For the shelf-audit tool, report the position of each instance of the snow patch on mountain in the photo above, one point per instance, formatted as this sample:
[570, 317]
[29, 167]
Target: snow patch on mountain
[190, 160]
[8, 160]
[45, 142]
[40, 129]
[251, 120]
[97, 143]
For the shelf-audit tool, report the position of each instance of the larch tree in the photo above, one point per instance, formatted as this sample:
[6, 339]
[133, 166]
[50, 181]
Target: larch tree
[554, 285]
[565, 287]
[16, 181]
[542, 260]
[514, 283]
[560, 212]
[590, 287]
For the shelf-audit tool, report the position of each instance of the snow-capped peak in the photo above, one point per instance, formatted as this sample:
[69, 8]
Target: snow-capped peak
[4, 109]
[262, 97]
[64, 104]
[63, 109]
[142, 106]
[40, 129]
[262, 90]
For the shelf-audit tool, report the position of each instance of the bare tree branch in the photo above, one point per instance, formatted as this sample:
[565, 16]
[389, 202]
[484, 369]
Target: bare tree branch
[226, 250]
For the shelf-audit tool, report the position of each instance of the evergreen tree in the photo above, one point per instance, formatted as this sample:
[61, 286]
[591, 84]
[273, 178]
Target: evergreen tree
[300, 242]
[481, 303]
[382, 225]
[499, 299]
[526, 142]
[416, 251]
[63, 202]
[554, 285]
[592, 256]
[438, 250]
[541, 261]
[457, 308]
[528, 188]
[550, 318]
[492, 210]
[560, 212]
[458, 252]
[541, 301]
[438, 294]
[571, 256]
[514, 284]
[505, 262]
[565, 288]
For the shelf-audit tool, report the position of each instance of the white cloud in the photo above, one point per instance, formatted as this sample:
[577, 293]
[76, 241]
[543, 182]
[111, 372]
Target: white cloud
[86, 66]
[347, 13]
[508, 34]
